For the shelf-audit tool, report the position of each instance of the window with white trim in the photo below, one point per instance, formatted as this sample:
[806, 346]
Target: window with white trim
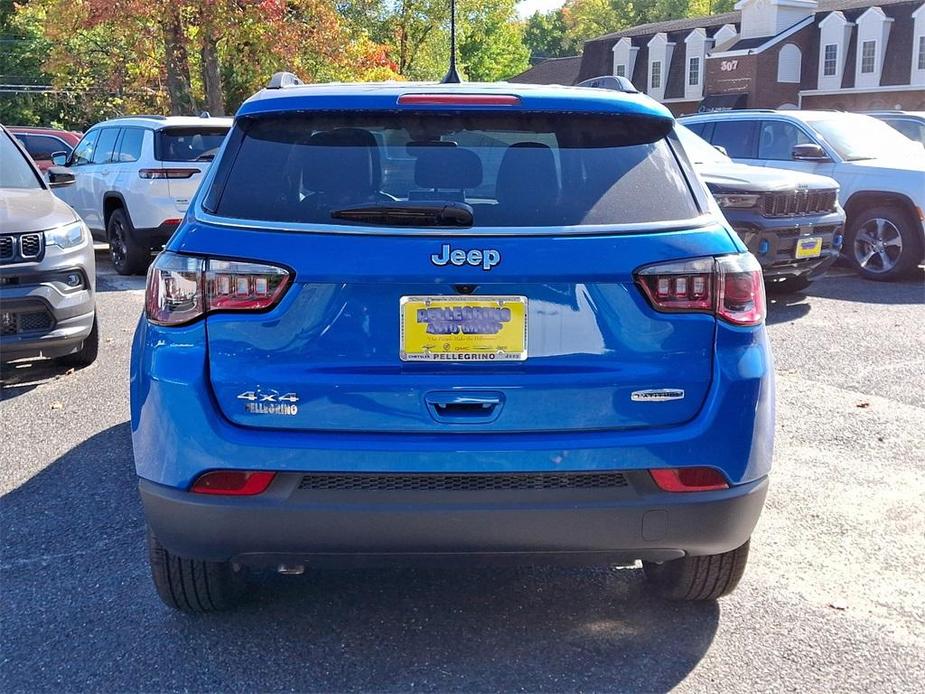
[621, 70]
[921, 62]
[655, 81]
[868, 56]
[693, 71]
[830, 59]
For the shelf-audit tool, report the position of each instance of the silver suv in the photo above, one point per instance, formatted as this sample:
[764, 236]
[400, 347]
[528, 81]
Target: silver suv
[47, 268]
[134, 179]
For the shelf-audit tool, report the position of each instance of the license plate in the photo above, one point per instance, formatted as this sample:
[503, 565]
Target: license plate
[809, 247]
[458, 328]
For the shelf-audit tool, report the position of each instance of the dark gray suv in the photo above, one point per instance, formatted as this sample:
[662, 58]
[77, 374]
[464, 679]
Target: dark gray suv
[47, 267]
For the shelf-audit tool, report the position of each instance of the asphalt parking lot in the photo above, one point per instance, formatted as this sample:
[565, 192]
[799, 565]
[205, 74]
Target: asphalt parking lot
[832, 600]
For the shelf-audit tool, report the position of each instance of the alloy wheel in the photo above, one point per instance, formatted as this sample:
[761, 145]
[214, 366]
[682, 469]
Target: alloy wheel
[878, 245]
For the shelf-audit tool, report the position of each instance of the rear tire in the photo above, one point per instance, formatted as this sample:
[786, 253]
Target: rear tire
[791, 285]
[127, 256]
[884, 243]
[698, 578]
[194, 585]
[88, 351]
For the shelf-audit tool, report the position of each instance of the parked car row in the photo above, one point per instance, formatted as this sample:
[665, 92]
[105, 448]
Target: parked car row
[880, 174]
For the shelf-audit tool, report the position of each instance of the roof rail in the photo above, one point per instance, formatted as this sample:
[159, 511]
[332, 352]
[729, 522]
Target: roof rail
[282, 80]
[614, 82]
[152, 116]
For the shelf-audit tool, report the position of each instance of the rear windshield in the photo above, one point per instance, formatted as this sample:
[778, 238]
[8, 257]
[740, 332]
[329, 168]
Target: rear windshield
[527, 170]
[188, 144]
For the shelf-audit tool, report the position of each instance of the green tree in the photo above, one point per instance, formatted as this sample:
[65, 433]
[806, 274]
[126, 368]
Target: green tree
[491, 42]
[545, 35]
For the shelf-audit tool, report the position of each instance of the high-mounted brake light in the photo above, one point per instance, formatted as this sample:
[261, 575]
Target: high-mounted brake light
[167, 173]
[731, 287]
[459, 99]
[182, 288]
[689, 479]
[232, 483]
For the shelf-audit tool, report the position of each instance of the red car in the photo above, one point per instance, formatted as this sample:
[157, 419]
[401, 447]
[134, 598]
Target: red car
[41, 143]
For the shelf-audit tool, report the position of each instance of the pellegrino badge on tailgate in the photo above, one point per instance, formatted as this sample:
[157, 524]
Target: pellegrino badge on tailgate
[269, 402]
[487, 258]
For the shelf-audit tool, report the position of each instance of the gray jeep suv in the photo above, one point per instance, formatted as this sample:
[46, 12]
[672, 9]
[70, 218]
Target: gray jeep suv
[47, 267]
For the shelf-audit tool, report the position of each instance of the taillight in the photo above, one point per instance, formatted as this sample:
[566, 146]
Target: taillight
[167, 173]
[689, 479]
[182, 288]
[233, 483]
[731, 287]
[459, 99]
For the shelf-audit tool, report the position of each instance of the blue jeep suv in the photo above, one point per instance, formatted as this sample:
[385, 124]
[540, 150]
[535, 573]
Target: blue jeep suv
[411, 322]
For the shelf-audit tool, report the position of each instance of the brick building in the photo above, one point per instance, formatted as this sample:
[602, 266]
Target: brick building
[848, 55]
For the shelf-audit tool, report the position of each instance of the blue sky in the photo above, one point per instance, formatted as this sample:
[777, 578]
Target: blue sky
[528, 7]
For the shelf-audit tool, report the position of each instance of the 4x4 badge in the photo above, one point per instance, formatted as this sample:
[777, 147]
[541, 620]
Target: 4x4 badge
[269, 402]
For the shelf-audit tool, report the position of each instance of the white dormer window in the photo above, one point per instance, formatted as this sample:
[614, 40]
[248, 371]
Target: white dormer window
[873, 43]
[624, 58]
[834, 37]
[868, 57]
[830, 60]
[693, 71]
[655, 82]
[921, 53]
[660, 52]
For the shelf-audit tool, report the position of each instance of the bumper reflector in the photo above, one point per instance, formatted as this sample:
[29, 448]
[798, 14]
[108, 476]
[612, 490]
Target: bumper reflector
[233, 483]
[689, 479]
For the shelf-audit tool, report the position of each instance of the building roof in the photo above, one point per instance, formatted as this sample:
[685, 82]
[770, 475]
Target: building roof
[551, 71]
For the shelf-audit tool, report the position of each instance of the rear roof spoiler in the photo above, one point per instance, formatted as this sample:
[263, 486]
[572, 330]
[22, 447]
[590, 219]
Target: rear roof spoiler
[613, 82]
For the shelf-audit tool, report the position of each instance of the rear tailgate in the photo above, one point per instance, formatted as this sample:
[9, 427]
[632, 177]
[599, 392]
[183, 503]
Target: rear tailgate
[187, 152]
[334, 344]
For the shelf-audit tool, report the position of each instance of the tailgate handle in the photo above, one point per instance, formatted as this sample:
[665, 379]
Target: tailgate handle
[459, 407]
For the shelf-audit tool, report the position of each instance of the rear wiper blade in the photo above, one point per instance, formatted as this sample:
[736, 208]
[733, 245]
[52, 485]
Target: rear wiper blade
[409, 213]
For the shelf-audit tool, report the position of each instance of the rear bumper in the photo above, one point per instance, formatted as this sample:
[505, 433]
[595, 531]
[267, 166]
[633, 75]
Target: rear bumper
[612, 525]
[156, 238]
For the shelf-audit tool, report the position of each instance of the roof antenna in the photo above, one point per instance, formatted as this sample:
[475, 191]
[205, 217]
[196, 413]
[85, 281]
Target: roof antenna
[452, 75]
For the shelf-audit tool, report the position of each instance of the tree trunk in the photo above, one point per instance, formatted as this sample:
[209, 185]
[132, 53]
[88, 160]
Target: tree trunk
[178, 77]
[211, 75]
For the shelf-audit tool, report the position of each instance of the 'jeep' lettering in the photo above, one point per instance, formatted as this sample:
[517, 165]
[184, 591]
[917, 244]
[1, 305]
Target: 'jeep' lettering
[487, 258]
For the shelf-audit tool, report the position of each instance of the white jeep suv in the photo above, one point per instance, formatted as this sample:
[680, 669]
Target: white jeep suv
[134, 178]
[881, 174]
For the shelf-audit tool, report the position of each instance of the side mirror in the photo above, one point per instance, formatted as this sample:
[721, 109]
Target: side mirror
[809, 152]
[59, 177]
[721, 150]
[59, 158]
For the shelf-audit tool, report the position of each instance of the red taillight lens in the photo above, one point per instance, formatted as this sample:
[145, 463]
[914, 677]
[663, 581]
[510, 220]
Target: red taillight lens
[740, 290]
[459, 99]
[689, 479]
[731, 287]
[233, 483]
[167, 173]
[183, 288]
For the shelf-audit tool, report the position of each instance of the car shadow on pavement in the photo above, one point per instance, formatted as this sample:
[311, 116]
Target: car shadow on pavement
[79, 612]
[909, 290]
[783, 308]
[17, 378]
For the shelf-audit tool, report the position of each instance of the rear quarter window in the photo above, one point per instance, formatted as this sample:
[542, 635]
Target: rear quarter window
[528, 170]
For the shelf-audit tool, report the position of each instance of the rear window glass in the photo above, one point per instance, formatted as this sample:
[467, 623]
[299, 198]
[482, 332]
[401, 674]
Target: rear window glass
[527, 170]
[188, 144]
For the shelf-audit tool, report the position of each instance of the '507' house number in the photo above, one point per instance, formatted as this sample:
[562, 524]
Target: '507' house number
[728, 65]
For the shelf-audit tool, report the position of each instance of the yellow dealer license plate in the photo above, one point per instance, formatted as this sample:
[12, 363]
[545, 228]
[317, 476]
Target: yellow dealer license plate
[460, 328]
[810, 247]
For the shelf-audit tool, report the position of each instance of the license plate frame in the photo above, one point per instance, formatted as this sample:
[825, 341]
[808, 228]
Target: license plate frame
[808, 247]
[478, 335]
